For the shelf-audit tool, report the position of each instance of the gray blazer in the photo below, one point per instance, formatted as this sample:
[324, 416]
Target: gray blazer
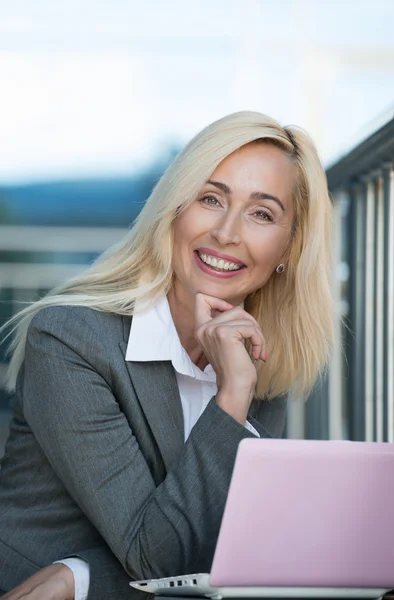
[96, 464]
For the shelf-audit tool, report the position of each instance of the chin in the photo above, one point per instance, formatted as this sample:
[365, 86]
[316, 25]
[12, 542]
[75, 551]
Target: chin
[218, 292]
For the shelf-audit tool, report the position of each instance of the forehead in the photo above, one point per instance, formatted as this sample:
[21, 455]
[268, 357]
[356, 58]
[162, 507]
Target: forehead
[258, 167]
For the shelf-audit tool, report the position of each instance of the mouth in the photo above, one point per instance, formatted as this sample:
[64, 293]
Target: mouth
[218, 264]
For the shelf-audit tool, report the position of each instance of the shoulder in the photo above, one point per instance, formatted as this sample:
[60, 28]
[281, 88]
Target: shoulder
[72, 334]
[68, 322]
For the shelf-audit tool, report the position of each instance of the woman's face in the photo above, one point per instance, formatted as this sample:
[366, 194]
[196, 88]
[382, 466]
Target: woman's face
[240, 223]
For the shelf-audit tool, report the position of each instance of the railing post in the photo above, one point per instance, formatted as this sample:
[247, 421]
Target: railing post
[356, 386]
[335, 397]
[350, 338]
[369, 310]
[388, 304]
[377, 316]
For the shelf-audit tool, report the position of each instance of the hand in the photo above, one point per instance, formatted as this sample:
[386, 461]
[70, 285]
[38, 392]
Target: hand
[54, 582]
[221, 329]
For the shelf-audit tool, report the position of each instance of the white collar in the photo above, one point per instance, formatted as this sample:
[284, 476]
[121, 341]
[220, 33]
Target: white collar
[153, 337]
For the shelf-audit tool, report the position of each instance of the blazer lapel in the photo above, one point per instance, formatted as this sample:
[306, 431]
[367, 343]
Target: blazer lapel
[157, 390]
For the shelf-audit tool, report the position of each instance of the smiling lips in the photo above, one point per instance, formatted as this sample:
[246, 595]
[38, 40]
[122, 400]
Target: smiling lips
[218, 264]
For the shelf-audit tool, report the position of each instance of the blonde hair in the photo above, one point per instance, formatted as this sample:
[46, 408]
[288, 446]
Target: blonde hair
[294, 308]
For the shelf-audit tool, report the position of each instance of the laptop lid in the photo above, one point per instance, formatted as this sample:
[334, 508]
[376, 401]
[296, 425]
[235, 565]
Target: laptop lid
[308, 513]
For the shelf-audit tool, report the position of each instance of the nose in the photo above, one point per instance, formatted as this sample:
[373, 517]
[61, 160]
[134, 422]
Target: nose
[227, 230]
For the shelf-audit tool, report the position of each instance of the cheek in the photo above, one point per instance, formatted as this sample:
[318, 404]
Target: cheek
[180, 233]
[268, 250]
[183, 236]
[189, 226]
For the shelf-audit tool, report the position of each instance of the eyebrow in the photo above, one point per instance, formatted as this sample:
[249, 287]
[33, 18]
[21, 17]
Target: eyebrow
[253, 196]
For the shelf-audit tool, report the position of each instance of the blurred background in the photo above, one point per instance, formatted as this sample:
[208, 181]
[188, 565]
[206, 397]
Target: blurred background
[96, 98]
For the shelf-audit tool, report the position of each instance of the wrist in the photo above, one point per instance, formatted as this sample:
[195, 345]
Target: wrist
[81, 575]
[67, 576]
[235, 403]
[237, 391]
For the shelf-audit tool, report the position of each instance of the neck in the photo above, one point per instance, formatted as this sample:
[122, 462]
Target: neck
[182, 312]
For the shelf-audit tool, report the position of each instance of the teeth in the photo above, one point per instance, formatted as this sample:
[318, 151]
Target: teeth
[219, 264]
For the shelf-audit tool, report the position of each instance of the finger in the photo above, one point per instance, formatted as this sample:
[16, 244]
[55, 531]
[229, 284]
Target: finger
[242, 330]
[53, 582]
[53, 589]
[41, 592]
[20, 591]
[24, 592]
[238, 316]
[236, 313]
[205, 305]
[255, 337]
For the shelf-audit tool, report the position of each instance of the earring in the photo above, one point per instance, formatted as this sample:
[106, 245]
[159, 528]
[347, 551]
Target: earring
[280, 268]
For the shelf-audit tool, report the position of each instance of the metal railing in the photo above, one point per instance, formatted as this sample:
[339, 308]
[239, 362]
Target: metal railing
[363, 182]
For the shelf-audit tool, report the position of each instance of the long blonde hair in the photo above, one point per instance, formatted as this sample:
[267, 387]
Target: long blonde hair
[294, 308]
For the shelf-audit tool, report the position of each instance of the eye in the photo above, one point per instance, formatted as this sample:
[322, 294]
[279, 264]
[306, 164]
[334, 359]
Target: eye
[263, 215]
[209, 201]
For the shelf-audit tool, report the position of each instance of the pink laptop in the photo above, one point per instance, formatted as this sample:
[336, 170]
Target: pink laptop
[302, 519]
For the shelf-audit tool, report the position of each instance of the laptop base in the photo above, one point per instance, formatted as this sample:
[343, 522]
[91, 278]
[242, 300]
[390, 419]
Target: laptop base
[197, 585]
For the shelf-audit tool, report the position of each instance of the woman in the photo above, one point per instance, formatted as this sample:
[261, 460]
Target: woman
[125, 429]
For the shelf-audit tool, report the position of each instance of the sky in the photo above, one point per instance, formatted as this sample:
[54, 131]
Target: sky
[98, 88]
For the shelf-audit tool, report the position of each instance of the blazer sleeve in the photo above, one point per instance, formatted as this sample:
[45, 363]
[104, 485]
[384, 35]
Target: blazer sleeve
[272, 413]
[152, 531]
[108, 579]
